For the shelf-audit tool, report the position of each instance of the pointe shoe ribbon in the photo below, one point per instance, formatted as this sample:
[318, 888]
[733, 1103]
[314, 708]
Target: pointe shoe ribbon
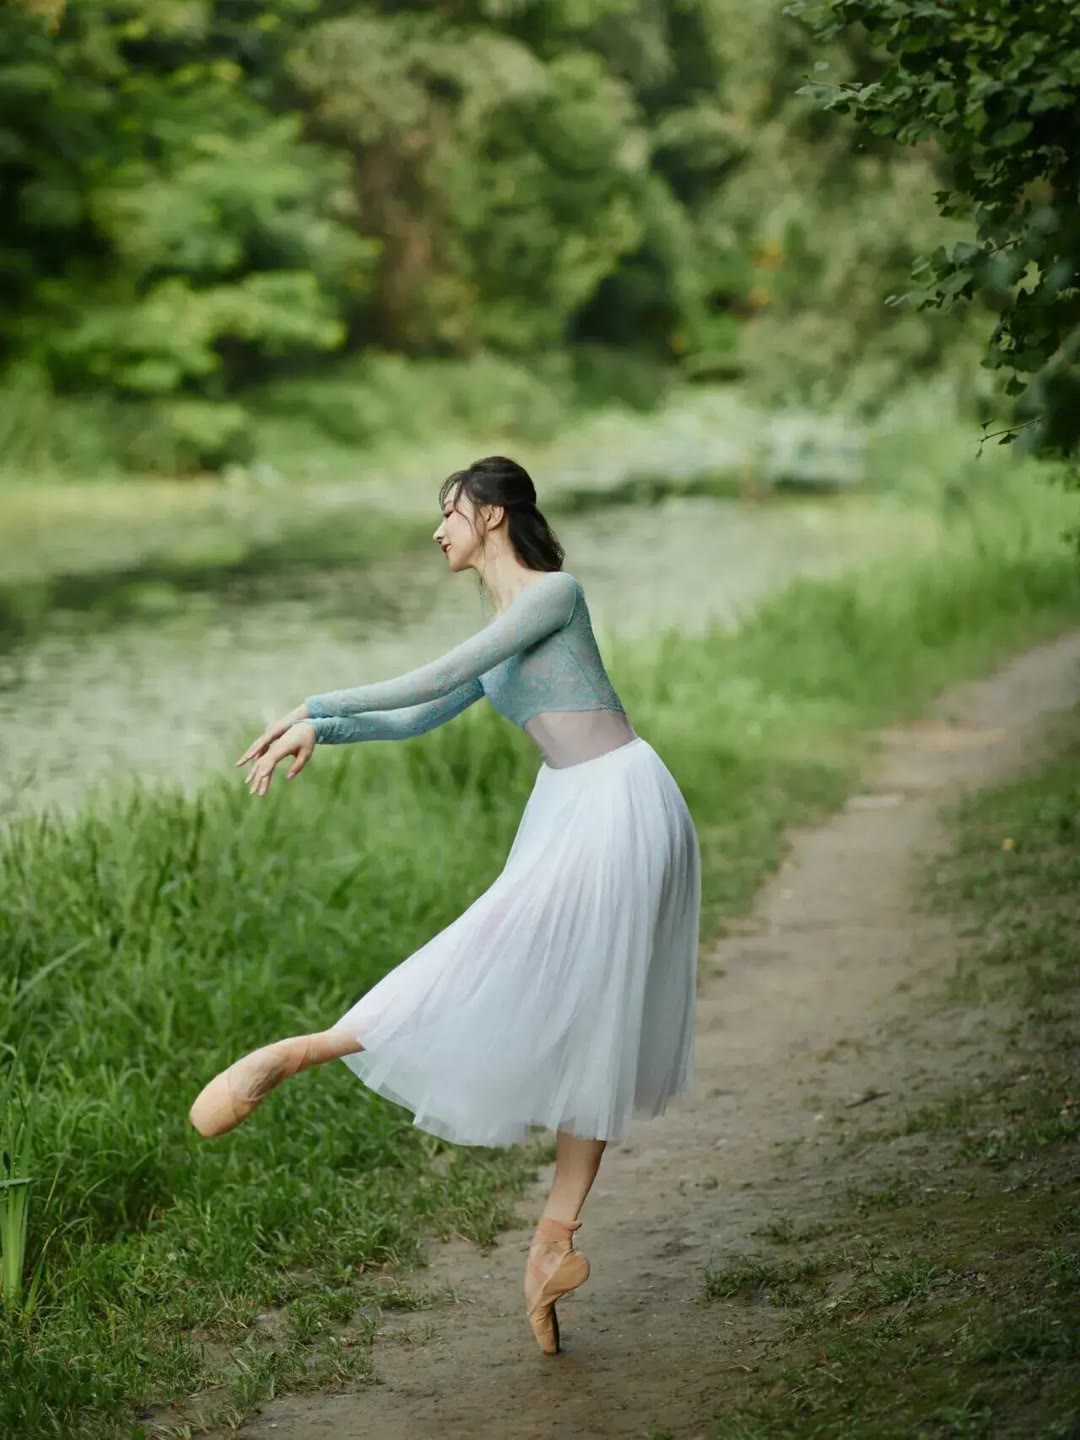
[232, 1095]
[554, 1268]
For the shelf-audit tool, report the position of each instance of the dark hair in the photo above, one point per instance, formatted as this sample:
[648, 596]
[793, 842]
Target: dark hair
[496, 480]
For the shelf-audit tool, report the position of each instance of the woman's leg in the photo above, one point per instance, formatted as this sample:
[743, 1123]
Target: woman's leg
[325, 1045]
[576, 1162]
[554, 1267]
[232, 1095]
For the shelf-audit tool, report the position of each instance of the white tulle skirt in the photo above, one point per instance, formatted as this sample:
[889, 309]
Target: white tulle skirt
[564, 995]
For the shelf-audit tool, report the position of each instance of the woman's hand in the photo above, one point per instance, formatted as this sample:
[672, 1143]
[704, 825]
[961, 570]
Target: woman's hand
[272, 733]
[298, 740]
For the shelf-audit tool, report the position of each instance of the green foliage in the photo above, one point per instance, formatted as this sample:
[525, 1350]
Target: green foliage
[205, 200]
[813, 226]
[994, 87]
[168, 236]
[503, 187]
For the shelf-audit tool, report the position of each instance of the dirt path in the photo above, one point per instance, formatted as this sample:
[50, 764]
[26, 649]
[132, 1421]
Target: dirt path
[816, 1004]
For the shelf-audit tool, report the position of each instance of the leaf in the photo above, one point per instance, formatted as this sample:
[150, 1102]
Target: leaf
[964, 250]
[1013, 133]
[913, 297]
[954, 283]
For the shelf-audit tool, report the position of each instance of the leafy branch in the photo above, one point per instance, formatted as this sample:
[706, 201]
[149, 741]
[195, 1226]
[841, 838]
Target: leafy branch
[996, 88]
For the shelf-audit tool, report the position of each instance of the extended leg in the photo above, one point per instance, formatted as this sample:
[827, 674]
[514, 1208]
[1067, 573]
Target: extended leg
[231, 1096]
[554, 1267]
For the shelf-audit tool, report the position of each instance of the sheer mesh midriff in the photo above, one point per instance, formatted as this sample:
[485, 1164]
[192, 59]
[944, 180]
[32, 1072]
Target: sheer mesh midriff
[568, 737]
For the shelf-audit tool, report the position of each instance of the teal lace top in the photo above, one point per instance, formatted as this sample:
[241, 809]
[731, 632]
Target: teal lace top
[539, 655]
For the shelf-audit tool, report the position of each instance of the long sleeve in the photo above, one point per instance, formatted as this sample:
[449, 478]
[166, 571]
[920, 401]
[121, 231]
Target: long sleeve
[396, 724]
[543, 607]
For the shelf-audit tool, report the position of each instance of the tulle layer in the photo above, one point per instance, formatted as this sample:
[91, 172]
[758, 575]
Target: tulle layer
[564, 995]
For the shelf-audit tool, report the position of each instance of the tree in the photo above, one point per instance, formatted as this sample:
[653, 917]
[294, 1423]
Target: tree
[995, 88]
[168, 235]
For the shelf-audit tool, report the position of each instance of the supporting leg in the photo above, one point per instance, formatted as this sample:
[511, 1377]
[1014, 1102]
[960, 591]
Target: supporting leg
[554, 1267]
[231, 1096]
[576, 1162]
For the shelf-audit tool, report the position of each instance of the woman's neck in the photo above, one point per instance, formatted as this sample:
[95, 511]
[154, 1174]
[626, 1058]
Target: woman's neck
[504, 586]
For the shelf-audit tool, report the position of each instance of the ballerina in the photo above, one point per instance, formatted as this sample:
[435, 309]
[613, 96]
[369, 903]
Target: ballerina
[564, 995]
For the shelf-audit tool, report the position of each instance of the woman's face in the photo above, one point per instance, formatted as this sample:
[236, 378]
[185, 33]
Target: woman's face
[457, 534]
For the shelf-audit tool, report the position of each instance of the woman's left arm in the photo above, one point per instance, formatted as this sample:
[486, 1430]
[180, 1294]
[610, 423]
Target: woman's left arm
[395, 724]
[542, 608]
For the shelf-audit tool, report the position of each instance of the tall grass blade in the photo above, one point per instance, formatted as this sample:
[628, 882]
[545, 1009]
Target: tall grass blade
[16, 1149]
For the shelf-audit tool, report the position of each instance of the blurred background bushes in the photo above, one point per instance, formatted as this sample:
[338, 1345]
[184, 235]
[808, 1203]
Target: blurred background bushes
[223, 209]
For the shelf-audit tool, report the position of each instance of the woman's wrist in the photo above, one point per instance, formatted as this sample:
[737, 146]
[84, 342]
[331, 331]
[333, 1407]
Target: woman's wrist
[315, 726]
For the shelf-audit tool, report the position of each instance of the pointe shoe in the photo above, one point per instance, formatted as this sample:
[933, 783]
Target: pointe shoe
[554, 1268]
[232, 1095]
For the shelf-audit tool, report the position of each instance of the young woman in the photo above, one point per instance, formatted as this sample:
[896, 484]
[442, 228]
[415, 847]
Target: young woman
[564, 995]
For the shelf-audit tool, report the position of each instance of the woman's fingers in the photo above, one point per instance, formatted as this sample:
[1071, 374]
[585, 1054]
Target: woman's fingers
[298, 740]
[303, 747]
[303, 755]
[269, 735]
[259, 779]
[253, 750]
[300, 743]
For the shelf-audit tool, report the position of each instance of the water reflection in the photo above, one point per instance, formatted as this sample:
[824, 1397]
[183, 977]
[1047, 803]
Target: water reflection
[169, 699]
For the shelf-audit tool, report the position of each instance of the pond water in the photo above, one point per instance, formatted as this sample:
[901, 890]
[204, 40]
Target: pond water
[176, 698]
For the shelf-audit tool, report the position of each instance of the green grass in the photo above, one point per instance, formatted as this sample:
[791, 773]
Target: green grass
[780, 1282]
[960, 1315]
[150, 940]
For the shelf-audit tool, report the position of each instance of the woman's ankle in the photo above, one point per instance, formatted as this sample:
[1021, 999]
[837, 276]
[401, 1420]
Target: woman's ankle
[554, 1228]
